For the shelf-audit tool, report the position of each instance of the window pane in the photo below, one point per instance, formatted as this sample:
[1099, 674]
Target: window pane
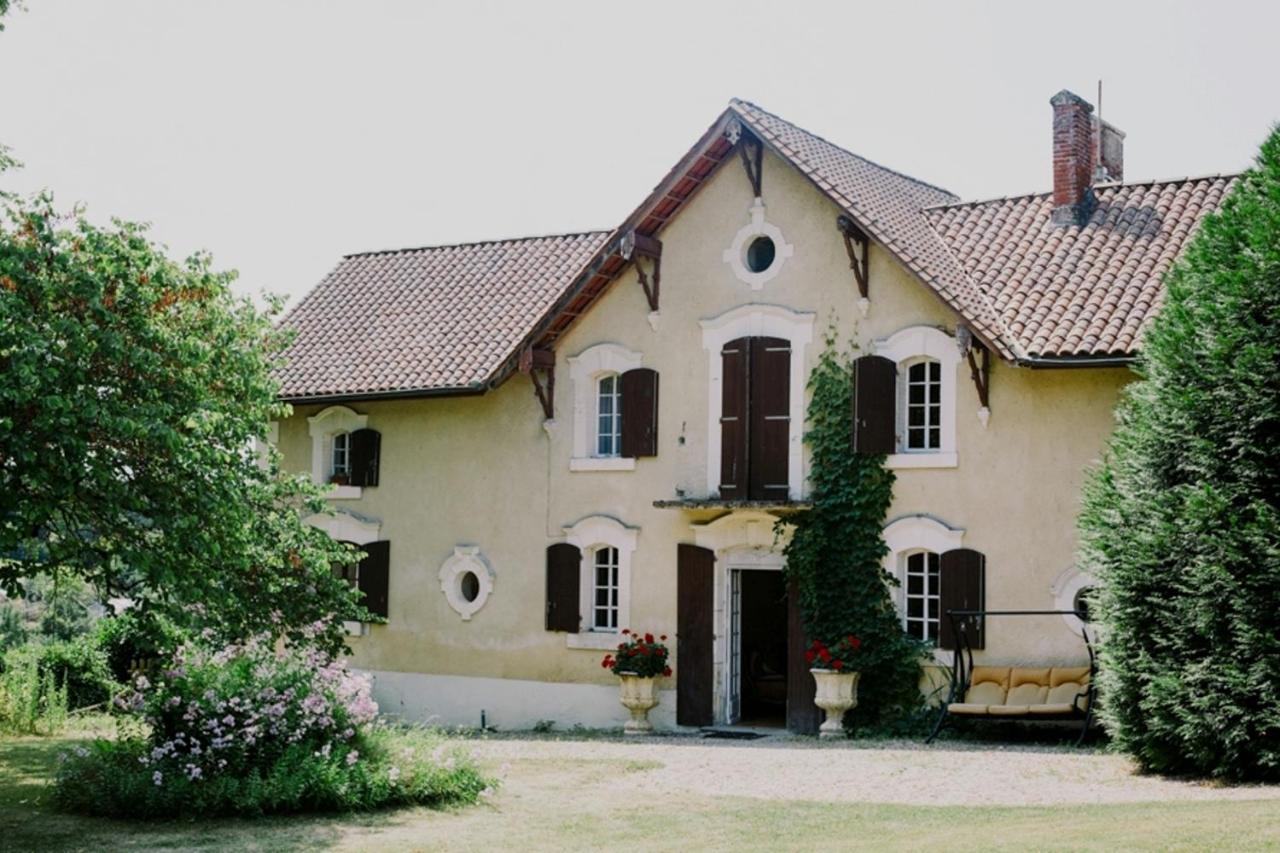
[935, 438]
[915, 373]
[915, 416]
[915, 393]
[935, 371]
[915, 608]
[915, 585]
[933, 631]
[933, 608]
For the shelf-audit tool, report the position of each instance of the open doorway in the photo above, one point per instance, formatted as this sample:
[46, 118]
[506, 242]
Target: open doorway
[758, 648]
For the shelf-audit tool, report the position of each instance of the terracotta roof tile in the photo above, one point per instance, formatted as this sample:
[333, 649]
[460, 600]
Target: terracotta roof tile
[429, 319]
[1078, 290]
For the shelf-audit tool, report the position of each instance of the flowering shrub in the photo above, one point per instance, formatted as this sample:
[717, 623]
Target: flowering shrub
[251, 729]
[639, 655]
[840, 655]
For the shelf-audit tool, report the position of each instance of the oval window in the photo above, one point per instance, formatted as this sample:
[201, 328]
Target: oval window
[760, 254]
[469, 586]
[1080, 604]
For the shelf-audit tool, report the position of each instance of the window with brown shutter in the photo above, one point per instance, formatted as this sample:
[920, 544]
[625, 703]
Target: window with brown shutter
[874, 401]
[639, 413]
[564, 573]
[374, 575]
[963, 587]
[755, 419]
[365, 448]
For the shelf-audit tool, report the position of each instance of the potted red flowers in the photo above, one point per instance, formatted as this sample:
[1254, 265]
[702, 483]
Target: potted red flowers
[639, 660]
[834, 669]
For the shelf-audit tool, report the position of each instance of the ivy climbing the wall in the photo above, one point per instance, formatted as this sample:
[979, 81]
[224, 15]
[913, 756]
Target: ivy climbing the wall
[837, 548]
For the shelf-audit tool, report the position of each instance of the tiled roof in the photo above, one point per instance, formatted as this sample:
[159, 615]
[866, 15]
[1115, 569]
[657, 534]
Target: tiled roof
[421, 320]
[1078, 290]
[452, 318]
[887, 204]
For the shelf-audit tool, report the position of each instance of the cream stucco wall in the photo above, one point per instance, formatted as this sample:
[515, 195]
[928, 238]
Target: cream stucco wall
[484, 471]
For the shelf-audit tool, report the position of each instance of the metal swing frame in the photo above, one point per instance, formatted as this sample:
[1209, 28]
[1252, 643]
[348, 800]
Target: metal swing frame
[962, 669]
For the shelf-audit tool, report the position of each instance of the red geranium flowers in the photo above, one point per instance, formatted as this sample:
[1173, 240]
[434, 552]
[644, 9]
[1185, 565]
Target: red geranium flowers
[639, 654]
[839, 655]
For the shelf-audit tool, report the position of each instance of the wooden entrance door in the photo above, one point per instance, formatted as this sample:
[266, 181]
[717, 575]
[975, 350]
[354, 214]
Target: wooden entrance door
[803, 717]
[695, 635]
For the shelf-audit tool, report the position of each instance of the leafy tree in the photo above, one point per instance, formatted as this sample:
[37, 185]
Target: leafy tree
[132, 390]
[836, 553]
[1181, 524]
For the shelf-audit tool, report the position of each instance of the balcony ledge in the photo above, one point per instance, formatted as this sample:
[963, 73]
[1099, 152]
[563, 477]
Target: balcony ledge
[733, 503]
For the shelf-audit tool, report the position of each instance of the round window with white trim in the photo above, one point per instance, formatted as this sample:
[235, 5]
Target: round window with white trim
[466, 579]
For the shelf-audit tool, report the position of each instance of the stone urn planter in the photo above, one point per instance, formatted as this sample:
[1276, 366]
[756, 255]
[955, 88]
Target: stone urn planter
[837, 693]
[639, 696]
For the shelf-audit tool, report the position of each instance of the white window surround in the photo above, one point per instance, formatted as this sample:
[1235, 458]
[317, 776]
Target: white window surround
[902, 348]
[912, 534]
[347, 526]
[466, 558]
[736, 255]
[588, 534]
[758, 320]
[323, 426]
[585, 368]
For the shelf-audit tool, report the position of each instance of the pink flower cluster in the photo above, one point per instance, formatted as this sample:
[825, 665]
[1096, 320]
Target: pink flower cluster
[237, 708]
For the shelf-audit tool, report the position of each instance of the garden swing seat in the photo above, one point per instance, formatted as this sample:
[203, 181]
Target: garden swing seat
[1016, 692]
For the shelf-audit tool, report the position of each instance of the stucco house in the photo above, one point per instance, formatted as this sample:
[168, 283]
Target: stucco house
[542, 441]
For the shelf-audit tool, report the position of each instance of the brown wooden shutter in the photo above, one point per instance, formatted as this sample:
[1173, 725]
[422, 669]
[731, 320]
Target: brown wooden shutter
[734, 427]
[962, 578]
[803, 716]
[564, 574]
[639, 412]
[365, 449]
[875, 404]
[374, 578]
[769, 432]
[695, 604]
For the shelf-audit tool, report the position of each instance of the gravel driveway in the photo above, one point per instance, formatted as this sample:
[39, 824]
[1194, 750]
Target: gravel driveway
[781, 767]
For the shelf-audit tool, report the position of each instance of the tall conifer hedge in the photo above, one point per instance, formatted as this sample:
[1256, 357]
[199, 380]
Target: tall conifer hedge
[1181, 523]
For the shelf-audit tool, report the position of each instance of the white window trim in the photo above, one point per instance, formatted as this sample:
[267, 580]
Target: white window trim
[585, 368]
[759, 320]
[902, 348]
[323, 426]
[588, 534]
[736, 255]
[466, 558]
[1064, 590]
[347, 526]
[908, 535]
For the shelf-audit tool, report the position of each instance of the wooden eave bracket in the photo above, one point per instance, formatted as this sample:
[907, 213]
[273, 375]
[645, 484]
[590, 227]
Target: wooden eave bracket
[535, 361]
[753, 160]
[980, 370]
[859, 258]
[634, 248]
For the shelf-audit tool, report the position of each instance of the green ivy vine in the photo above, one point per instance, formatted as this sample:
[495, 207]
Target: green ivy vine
[837, 547]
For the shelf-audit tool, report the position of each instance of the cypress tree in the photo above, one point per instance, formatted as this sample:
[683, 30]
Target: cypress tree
[1180, 523]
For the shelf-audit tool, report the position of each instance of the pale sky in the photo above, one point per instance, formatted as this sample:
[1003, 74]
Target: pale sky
[280, 135]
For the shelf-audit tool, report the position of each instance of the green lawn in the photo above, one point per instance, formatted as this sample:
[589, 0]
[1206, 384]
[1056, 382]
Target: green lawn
[555, 805]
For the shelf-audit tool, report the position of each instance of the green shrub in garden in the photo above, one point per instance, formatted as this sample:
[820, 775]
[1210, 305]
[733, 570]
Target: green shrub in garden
[79, 666]
[1181, 525]
[251, 729]
[31, 702]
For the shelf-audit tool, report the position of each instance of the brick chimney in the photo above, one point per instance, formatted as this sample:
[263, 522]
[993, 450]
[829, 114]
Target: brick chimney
[1073, 147]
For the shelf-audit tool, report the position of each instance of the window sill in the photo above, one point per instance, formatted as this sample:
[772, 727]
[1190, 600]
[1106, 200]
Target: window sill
[599, 641]
[355, 629]
[602, 463]
[345, 493]
[923, 460]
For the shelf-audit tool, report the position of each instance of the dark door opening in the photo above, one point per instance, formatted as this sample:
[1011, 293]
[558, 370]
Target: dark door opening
[762, 648]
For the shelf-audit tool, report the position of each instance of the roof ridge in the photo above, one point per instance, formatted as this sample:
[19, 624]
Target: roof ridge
[737, 103]
[470, 243]
[1104, 185]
